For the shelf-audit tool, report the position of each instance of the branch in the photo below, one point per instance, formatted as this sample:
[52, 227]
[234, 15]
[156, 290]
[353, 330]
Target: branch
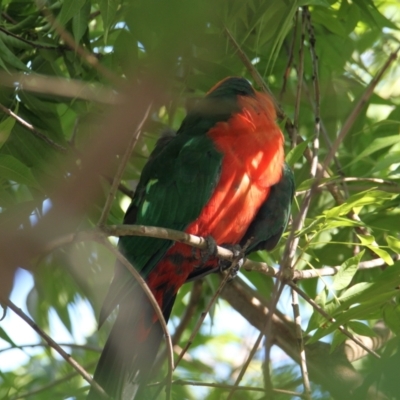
[207, 309]
[290, 58]
[33, 44]
[199, 243]
[121, 168]
[31, 128]
[153, 303]
[358, 107]
[341, 328]
[56, 382]
[56, 347]
[85, 55]
[70, 88]
[228, 387]
[331, 369]
[71, 345]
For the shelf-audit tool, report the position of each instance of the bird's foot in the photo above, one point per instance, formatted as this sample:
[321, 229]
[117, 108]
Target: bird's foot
[233, 266]
[210, 251]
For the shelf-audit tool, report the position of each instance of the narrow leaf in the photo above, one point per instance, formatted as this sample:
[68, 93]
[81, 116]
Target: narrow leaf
[347, 271]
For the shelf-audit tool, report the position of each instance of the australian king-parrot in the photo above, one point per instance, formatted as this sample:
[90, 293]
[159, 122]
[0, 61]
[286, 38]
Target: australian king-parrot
[222, 176]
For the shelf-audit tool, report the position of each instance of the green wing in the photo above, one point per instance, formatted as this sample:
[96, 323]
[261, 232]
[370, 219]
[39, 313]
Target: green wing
[175, 184]
[174, 187]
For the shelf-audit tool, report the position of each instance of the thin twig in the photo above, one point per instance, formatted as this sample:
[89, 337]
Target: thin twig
[56, 382]
[155, 306]
[56, 347]
[253, 71]
[377, 181]
[207, 309]
[300, 340]
[317, 100]
[300, 73]
[71, 345]
[190, 309]
[32, 129]
[121, 168]
[85, 55]
[330, 319]
[35, 45]
[228, 387]
[245, 365]
[195, 297]
[290, 56]
[358, 107]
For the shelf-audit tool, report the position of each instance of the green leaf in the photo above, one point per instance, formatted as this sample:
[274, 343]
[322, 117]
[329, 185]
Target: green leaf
[346, 272]
[361, 329]
[393, 243]
[326, 18]
[294, 155]
[305, 185]
[322, 3]
[6, 337]
[69, 9]
[377, 144]
[108, 9]
[5, 129]
[7, 55]
[80, 21]
[369, 241]
[338, 338]
[391, 316]
[14, 170]
[358, 200]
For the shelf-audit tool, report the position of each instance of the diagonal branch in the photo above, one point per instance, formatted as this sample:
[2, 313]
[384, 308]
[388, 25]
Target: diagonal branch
[56, 347]
[32, 129]
[121, 168]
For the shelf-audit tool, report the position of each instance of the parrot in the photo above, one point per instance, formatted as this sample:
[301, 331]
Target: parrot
[222, 176]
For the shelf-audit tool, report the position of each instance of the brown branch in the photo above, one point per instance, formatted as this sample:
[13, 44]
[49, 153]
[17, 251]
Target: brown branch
[358, 107]
[300, 73]
[190, 309]
[331, 369]
[228, 387]
[56, 347]
[200, 243]
[85, 55]
[30, 43]
[320, 310]
[243, 370]
[253, 72]
[71, 88]
[300, 342]
[290, 57]
[121, 168]
[205, 312]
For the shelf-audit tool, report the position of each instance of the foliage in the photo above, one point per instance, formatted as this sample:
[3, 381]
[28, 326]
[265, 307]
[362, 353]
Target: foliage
[85, 53]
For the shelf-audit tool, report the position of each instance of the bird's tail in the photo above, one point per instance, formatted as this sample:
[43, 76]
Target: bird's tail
[129, 353]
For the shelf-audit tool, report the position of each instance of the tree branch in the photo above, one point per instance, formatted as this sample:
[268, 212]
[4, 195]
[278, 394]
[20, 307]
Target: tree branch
[56, 347]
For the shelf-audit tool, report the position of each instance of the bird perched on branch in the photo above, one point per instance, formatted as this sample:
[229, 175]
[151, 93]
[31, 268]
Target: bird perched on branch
[222, 176]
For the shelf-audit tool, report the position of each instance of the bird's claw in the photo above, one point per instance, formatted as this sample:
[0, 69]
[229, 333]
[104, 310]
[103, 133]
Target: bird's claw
[209, 251]
[236, 263]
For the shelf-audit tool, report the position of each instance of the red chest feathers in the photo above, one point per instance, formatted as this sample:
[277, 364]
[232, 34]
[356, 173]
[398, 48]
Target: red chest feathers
[252, 145]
